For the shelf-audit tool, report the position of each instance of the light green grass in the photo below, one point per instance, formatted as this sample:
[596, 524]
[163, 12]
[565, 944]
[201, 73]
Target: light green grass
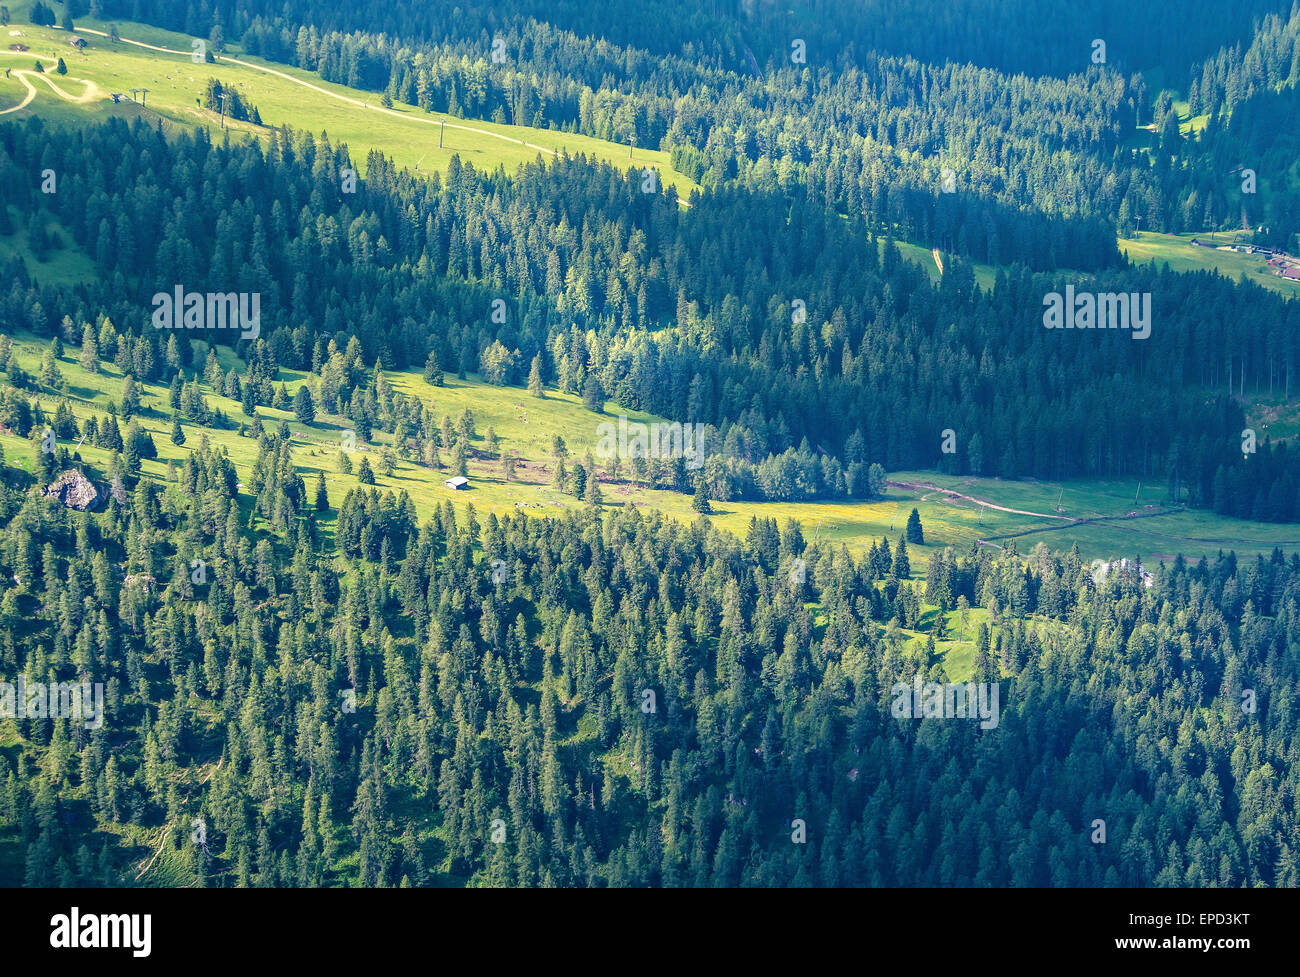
[1161, 532]
[175, 85]
[1273, 417]
[1176, 250]
[526, 426]
[984, 274]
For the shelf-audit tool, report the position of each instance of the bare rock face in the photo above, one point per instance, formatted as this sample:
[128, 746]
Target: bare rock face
[74, 490]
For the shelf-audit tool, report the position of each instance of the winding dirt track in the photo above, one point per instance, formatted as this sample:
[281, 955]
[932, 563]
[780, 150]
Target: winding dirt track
[930, 486]
[31, 94]
[335, 95]
[366, 106]
[24, 75]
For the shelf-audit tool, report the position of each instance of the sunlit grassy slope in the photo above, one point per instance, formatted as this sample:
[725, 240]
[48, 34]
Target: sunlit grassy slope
[176, 84]
[1177, 251]
[526, 426]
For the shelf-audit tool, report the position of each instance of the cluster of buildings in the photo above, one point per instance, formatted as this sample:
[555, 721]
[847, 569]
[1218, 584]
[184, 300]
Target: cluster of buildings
[1279, 262]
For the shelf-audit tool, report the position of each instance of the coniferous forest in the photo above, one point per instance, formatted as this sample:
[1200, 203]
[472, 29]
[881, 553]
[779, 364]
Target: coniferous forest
[323, 664]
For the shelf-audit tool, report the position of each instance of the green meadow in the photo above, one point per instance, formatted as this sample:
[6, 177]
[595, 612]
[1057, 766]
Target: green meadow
[525, 425]
[1105, 518]
[63, 264]
[288, 97]
[1177, 252]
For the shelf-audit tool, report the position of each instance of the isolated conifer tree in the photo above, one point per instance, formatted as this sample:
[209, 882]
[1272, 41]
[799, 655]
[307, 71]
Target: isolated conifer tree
[364, 474]
[89, 359]
[322, 495]
[304, 408]
[432, 370]
[178, 436]
[130, 398]
[701, 501]
[915, 534]
[593, 398]
[535, 386]
[51, 376]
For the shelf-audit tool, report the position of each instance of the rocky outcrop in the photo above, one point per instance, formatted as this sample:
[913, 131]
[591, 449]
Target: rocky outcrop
[142, 580]
[75, 490]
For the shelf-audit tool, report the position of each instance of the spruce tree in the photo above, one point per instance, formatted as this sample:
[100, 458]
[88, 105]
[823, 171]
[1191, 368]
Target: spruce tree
[915, 534]
[593, 397]
[130, 398]
[701, 501]
[89, 359]
[535, 386]
[432, 370]
[902, 568]
[304, 408]
[322, 495]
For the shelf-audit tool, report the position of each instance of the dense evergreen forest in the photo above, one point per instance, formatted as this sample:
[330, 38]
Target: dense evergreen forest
[685, 313]
[870, 127]
[1034, 37]
[305, 686]
[345, 709]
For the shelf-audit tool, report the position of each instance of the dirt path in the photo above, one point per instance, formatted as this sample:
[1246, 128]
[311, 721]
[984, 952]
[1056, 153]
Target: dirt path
[27, 100]
[365, 106]
[938, 260]
[931, 487]
[25, 76]
[1068, 522]
[335, 95]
